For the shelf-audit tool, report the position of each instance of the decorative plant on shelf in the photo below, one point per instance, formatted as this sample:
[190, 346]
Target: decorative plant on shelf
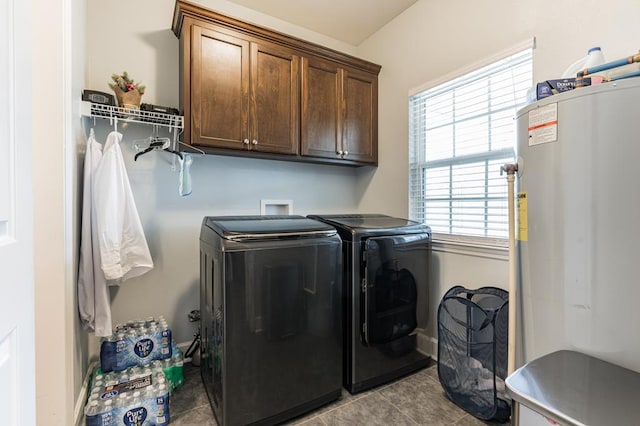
[128, 92]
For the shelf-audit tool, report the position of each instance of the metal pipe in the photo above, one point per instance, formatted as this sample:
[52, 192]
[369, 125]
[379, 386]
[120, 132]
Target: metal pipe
[609, 65]
[511, 170]
[515, 413]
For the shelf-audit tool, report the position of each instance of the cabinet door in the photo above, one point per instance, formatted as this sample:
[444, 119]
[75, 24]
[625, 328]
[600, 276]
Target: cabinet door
[360, 130]
[219, 89]
[275, 99]
[321, 124]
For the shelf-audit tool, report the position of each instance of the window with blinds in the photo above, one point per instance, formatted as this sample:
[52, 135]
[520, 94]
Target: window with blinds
[460, 133]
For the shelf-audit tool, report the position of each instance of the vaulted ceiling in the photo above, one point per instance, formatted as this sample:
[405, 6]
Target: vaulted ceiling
[351, 21]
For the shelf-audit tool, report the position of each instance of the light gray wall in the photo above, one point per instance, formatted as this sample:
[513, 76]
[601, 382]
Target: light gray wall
[434, 38]
[431, 39]
[141, 42]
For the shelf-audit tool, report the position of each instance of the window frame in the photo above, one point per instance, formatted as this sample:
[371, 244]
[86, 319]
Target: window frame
[492, 247]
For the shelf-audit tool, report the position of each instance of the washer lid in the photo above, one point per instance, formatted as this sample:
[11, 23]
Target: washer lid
[238, 228]
[372, 222]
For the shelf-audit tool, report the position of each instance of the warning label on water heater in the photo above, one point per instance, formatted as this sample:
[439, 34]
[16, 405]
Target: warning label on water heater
[523, 218]
[543, 124]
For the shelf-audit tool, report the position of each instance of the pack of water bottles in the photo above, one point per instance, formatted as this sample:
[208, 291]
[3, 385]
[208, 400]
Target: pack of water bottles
[136, 343]
[136, 396]
[173, 368]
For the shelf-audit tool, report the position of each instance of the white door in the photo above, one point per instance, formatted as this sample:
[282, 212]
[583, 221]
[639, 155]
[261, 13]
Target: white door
[17, 345]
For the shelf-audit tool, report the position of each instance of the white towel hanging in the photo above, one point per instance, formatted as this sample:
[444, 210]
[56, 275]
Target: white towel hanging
[123, 247]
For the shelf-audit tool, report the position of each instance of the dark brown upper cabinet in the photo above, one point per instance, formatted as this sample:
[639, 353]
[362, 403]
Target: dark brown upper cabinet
[250, 91]
[321, 134]
[360, 112]
[219, 113]
[339, 112]
[244, 95]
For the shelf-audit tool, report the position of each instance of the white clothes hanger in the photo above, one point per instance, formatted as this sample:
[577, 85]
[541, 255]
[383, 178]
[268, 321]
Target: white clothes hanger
[199, 151]
[156, 142]
[153, 139]
[114, 122]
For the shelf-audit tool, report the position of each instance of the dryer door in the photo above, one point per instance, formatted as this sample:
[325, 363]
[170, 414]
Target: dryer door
[395, 267]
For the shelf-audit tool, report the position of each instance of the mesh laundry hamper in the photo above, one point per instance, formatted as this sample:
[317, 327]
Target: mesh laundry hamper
[472, 350]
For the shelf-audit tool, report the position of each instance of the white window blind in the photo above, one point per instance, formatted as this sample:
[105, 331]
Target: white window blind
[460, 133]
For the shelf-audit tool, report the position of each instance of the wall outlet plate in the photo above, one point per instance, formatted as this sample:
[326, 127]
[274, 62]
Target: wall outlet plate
[276, 207]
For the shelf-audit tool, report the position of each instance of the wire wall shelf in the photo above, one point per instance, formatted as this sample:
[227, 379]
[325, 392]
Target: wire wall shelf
[128, 115]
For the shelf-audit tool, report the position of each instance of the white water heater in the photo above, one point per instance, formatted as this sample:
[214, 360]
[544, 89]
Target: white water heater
[578, 196]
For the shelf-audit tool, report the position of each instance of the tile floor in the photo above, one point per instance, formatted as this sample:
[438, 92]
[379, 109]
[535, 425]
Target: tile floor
[417, 399]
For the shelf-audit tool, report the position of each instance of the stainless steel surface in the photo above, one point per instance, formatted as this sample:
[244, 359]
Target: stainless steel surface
[576, 389]
[515, 413]
[268, 307]
[361, 226]
[579, 267]
[268, 227]
[247, 237]
[373, 244]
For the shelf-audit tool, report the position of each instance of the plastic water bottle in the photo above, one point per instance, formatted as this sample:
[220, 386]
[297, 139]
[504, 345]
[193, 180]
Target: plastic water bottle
[161, 380]
[156, 366]
[150, 392]
[135, 399]
[132, 333]
[178, 369]
[123, 400]
[106, 406]
[111, 382]
[162, 389]
[91, 409]
[594, 57]
[94, 397]
[97, 383]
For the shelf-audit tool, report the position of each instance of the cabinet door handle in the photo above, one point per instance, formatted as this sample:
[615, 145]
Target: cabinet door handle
[255, 142]
[246, 141]
[339, 152]
[346, 153]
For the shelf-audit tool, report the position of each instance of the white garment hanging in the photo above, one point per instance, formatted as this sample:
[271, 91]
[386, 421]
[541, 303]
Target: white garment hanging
[93, 295]
[124, 252]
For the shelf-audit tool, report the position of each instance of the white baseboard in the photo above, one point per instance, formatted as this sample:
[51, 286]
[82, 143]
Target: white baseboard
[183, 347]
[427, 345]
[78, 411]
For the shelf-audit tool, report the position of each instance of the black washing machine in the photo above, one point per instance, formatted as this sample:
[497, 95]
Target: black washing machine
[271, 326]
[385, 296]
